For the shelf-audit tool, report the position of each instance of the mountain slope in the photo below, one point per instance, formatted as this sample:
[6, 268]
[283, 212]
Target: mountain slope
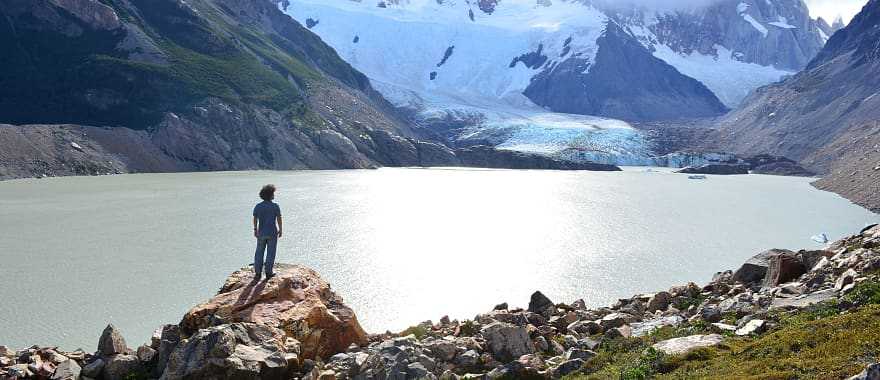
[826, 116]
[625, 82]
[208, 84]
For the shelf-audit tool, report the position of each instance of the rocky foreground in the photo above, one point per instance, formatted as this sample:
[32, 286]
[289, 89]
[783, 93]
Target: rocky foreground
[295, 327]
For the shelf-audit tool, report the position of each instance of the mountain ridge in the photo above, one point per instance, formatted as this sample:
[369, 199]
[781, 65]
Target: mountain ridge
[825, 116]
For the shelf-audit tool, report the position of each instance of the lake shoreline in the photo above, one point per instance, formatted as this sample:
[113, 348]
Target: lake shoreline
[545, 340]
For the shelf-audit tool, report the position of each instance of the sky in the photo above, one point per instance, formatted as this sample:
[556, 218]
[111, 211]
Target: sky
[829, 9]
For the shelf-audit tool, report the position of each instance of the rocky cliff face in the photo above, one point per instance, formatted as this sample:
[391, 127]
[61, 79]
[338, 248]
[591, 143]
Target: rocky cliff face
[731, 46]
[624, 81]
[778, 33]
[827, 29]
[824, 117]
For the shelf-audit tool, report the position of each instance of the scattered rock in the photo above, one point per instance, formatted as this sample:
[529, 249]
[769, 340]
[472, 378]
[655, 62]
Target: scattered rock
[683, 345]
[147, 355]
[67, 370]
[615, 320]
[585, 327]
[755, 326]
[710, 314]
[111, 342]
[169, 338]
[618, 332]
[755, 269]
[659, 301]
[539, 303]
[567, 367]
[845, 279]
[231, 351]
[647, 327]
[782, 268]
[723, 327]
[443, 349]
[805, 300]
[120, 366]
[507, 341]
[576, 353]
[93, 369]
[296, 300]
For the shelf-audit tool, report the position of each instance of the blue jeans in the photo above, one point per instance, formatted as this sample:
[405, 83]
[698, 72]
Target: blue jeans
[262, 243]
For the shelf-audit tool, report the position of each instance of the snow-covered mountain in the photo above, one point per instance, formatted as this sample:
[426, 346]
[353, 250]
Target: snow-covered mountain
[556, 76]
[732, 46]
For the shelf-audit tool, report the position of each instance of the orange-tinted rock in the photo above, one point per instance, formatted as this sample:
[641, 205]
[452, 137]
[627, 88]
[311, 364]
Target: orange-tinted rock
[296, 300]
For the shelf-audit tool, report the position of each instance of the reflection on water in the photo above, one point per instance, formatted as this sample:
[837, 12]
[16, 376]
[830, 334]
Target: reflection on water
[400, 245]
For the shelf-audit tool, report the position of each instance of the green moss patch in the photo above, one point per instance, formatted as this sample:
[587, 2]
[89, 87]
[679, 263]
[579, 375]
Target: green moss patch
[819, 343]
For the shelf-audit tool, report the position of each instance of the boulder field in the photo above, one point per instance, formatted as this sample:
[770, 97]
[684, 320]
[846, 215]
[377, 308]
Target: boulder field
[294, 326]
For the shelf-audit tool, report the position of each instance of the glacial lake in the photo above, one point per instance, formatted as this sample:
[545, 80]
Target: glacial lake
[400, 245]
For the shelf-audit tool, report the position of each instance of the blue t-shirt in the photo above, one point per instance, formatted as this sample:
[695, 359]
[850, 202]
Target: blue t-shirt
[265, 212]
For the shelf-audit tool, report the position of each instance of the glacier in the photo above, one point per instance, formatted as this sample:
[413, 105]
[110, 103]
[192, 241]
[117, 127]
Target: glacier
[450, 61]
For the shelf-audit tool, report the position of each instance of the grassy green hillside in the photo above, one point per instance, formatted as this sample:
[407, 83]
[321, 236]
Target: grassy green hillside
[208, 50]
[827, 341]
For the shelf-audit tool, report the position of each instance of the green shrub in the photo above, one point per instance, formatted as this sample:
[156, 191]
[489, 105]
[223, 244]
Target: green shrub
[419, 331]
[865, 293]
[468, 328]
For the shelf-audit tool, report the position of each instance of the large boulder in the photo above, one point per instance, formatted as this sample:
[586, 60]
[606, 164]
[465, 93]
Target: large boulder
[296, 301]
[782, 268]
[683, 345]
[755, 269]
[67, 370]
[121, 366]
[538, 303]
[168, 339]
[507, 341]
[111, 342]
[659, 301]
[233, 351]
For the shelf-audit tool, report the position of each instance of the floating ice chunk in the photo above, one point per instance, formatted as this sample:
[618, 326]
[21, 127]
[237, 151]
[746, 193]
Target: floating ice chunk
[820, 238]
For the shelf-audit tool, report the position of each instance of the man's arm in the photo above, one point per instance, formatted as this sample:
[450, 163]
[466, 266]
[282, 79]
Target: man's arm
[278, 219]
[256, 234]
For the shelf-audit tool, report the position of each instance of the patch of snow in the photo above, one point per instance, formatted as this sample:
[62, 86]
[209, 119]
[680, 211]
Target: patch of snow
[743, 9]
[823, 35]
[729, 78]
[401, 44]
[725, 73]
[782, 23]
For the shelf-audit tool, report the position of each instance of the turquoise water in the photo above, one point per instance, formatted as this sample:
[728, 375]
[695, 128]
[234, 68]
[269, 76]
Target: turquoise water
[400, 245]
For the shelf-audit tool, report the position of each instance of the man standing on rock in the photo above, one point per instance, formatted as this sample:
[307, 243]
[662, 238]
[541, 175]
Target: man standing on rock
[267, 230]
